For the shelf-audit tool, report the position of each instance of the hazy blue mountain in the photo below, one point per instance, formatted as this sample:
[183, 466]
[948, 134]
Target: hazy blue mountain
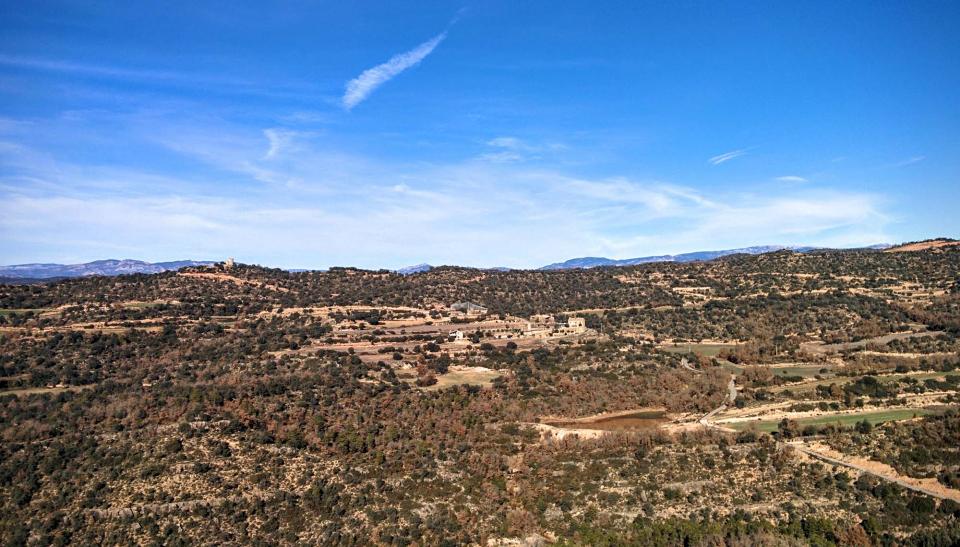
[593, 262]
[414, 269]
[44, 272]
[583, 262]
[98, 267]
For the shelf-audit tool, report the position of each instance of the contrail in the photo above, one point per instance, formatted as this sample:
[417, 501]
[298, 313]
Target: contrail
[363, 85]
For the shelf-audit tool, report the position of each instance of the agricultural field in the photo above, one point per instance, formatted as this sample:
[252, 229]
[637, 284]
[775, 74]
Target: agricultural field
[839, 420]
[708, 350]
[466, 376]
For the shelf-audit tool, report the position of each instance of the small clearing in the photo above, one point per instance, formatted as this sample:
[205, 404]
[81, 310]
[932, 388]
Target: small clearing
[627, 420]
[463, 375]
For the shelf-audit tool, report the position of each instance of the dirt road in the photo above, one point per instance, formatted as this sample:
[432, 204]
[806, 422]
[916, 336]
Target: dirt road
[731, 397]
[930, 487]
[821, 348]
[686, 364]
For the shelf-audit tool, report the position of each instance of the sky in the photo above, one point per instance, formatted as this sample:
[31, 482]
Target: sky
[379, 135]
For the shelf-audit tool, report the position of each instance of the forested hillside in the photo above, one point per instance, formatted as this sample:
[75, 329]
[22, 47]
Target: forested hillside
[245, 405]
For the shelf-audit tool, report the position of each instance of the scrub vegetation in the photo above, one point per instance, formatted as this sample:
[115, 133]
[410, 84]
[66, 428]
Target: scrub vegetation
[695, 406]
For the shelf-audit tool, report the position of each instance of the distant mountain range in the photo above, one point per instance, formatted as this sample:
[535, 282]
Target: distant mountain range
[99, 267]
[596, 261]
[593, 262]
[414, 269]
[420, 268]
[120, 267]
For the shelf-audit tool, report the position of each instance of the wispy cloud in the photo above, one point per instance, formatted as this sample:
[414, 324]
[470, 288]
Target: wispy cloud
[278, 139]
[655, 199]
[508, 142]
[513, 149]
[791, 178]
[909, 161]
[365, 210]
[503, 156]
[725, 157]
[82, 68]
[157, 77]
[359, 88]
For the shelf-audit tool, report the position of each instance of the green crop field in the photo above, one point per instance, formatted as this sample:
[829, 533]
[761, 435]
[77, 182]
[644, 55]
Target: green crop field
[709, 350]
[806, 372]
[844, 420]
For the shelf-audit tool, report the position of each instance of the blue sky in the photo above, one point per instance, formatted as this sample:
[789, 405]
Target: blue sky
[311, 134]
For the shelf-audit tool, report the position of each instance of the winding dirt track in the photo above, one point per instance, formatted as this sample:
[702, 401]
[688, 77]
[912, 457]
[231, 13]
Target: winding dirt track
[731, 397]
[686, 364]
[930, 487]
[821, 348]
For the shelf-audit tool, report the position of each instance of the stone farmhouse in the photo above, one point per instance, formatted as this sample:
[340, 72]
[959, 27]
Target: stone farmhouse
[469, 309]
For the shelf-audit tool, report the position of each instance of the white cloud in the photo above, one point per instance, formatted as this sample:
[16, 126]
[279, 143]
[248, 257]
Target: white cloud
[306, 117]
[829, 218]
[505, 156]
[513, 149]
[909, 161]
[791, 178]
[281, 141]
[657, 199]
[508, 142]
[321, 206]
[277, 140]
[727, 156]
[221, 82]
[363, 85]
[80, 68]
